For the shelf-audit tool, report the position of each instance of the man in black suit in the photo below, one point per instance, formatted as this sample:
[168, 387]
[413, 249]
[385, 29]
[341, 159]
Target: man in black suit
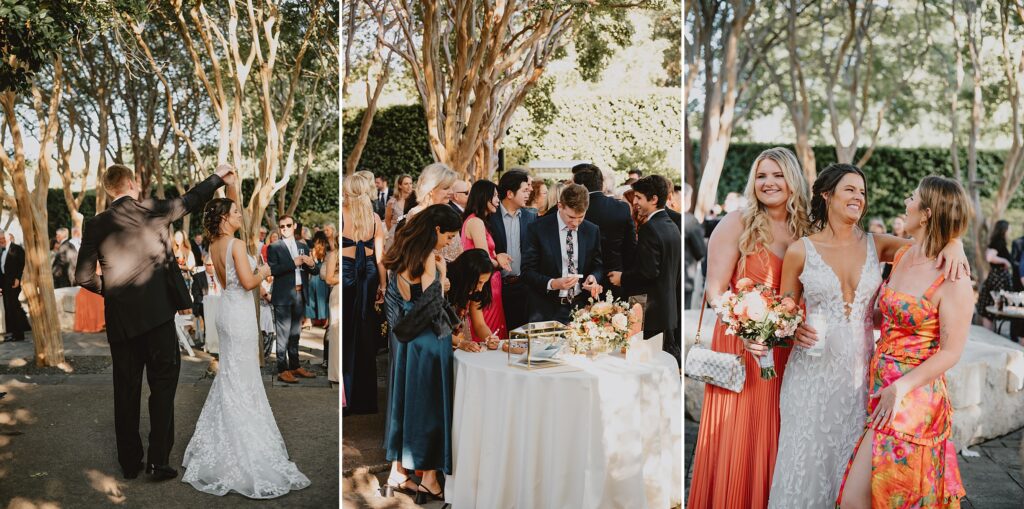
[508, 228]
[655, 271]
[561, 251]
[12, 267]
[291, 266]
[142, 290]
[383, 195]
[613, 217]
[460, 196]
[63, 268]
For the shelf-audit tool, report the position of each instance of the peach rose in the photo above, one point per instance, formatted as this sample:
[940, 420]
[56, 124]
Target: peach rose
[744, 284]
[788, 305]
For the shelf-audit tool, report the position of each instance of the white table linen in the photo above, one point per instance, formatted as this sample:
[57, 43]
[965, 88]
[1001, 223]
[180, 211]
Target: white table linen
[598, 433]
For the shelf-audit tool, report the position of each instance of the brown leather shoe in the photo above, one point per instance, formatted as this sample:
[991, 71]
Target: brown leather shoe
[287, 377]
[303, 373]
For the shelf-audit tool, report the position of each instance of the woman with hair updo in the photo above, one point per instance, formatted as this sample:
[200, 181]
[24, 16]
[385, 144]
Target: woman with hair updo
[538, 199]
[363, 283]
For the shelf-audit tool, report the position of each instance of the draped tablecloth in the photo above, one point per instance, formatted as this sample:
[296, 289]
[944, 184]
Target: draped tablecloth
[597, 433]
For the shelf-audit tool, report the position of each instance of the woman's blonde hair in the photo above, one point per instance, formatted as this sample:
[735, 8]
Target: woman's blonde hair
[554, 193]
[756, 230]
[357, 190]
[432, 177]
[951, 212]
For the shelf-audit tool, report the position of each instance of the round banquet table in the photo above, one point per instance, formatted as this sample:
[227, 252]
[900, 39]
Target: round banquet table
[596, 433]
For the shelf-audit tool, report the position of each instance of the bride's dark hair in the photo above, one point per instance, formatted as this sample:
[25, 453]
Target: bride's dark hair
[213, 216]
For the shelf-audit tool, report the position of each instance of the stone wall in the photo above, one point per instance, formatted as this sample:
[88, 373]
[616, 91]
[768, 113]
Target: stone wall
[986, 387]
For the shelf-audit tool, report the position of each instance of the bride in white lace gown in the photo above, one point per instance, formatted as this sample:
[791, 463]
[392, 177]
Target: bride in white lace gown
[237, 445]
[823, 400]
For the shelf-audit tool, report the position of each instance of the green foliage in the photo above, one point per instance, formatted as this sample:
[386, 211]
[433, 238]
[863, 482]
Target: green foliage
[893, 173]
[319, 202]
[397, 142]
[596, 36]
[666, 26]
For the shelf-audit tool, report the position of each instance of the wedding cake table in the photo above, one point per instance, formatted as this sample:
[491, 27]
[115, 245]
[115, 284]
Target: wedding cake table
[598, 433]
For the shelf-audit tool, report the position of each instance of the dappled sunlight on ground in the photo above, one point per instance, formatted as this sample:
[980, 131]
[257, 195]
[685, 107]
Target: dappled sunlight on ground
[18, 363]
[24, 503]
[106, 485]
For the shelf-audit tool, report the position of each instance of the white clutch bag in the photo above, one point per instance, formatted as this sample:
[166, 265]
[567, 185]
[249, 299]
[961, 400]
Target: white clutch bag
[716, 368]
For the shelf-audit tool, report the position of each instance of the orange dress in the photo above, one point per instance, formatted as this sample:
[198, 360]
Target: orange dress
[913, 461]
[739, 432]
[89, 312]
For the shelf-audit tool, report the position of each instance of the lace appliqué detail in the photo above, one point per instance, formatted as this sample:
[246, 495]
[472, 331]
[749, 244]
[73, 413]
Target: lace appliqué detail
[237, 445]
[824, 399]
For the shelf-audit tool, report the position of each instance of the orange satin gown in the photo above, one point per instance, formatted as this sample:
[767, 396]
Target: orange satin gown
[89, 312]
[739, 432]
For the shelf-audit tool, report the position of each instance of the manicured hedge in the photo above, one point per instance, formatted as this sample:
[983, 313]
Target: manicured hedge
[397, 142]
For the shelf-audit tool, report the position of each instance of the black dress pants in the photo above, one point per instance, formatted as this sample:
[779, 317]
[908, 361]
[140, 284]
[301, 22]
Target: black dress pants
[157, 352]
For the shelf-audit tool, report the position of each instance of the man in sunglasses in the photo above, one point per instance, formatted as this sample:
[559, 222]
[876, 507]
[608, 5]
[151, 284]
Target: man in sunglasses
[460, 196]
[291, 265]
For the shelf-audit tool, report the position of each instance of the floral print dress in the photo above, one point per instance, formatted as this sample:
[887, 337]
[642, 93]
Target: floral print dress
[913, 461]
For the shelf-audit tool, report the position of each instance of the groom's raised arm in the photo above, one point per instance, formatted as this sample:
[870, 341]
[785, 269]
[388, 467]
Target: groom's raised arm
[88, 257]
[176, 208]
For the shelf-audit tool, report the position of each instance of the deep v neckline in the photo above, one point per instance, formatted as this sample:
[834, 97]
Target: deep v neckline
[847, 306]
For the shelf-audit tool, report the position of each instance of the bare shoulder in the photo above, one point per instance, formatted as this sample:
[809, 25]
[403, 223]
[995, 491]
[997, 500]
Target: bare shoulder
[956, 293]
[730, 226]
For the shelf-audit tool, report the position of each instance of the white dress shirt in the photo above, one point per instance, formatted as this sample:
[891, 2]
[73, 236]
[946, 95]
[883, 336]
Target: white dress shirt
[293, 248]
[563, 230]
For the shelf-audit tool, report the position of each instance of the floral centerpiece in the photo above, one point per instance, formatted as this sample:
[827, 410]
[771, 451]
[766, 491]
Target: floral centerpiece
[602, 326]
[756, 313]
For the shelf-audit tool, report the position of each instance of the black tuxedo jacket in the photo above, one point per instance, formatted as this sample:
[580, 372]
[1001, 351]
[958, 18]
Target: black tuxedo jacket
[130, 242]
[656, 273]
[618, 234]
[63, 267]
[676, 218]
[14, 267]
[526, 217]
[282, 266]
[542, 260]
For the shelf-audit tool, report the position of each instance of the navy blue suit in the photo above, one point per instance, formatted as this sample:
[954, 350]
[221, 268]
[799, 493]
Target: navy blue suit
[513, 290]
[542, 262]
[287, 299]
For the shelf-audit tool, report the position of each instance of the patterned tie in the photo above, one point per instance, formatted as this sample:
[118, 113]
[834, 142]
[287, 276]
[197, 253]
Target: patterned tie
[569, 253]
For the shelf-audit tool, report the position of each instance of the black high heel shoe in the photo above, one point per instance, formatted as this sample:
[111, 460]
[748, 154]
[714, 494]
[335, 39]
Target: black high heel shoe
[424, 495]
[390, 487]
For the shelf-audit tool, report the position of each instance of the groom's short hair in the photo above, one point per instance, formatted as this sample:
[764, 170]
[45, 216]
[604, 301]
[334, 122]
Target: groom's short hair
[116, 177]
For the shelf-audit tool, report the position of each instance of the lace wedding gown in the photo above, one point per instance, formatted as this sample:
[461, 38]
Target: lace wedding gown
[236, 445]
[823, 399]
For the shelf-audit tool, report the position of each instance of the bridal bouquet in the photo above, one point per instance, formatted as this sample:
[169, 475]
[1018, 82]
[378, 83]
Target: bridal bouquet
[756, 313]
[603, 326]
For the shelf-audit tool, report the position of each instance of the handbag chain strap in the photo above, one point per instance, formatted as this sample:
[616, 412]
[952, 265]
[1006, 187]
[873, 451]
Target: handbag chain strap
[700, 321]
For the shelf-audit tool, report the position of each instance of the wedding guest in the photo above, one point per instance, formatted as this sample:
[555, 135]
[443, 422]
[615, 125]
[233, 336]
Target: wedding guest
[483, 203]
[89, 312]
[612, 217]
[259, 243]
[554, 193]
[197, 247]
[12, 266]
[562, 259]
[675, 203]
[635, 174]
[64, 260]
[906, 453]
[383, 195]
[508, 229]
[434, 187]
[538, 200]
[363, 284]
[737, 440]
[418, 426]
[331, 272]
[272, 238]
[998, 257]
[268, 328]
[898, 228]
[317, 292]
[204, 283]
[675, 216]
[655, 271]
[395, 209]
[876, 225]
[290, 265]
[460, 197]
[695, 250]
[471, 292]
[332, 236]
[182, 251]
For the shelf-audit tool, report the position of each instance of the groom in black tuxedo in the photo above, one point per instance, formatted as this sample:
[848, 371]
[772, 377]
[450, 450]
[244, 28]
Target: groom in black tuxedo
[656, 269]
[562, 259]
[142, 289]
[291, 266]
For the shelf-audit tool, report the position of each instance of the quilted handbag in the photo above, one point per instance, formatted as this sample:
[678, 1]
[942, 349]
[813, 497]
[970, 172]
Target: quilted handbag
[720, 369]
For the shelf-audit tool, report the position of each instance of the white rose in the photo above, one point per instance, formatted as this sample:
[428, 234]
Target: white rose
[620, 321]
[757, 308]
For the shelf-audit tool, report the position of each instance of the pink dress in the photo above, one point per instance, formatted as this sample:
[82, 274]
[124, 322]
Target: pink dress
[494, 314]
